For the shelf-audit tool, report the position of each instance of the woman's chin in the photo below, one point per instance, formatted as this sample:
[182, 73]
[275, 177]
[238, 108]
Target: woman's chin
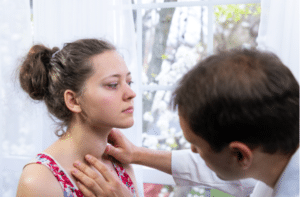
[126, 125]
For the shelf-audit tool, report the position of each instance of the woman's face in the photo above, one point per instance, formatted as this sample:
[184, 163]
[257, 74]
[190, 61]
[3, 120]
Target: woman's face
[107, 99]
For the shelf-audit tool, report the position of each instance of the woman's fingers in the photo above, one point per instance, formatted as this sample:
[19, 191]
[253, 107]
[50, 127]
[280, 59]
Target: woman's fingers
[88, 171]
[84, 190]
[89, 178]
[106, 173]
[104, 184]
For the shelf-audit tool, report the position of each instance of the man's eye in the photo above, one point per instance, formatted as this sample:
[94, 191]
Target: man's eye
[112, 86]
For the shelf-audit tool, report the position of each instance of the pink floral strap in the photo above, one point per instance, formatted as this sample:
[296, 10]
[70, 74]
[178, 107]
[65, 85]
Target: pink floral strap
[70, 190]
[124, 177]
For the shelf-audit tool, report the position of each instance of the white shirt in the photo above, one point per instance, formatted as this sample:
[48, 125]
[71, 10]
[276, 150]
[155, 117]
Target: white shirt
[189, 169]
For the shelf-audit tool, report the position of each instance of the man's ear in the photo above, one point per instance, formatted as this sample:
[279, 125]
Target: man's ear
[71, 101]
[242, 153]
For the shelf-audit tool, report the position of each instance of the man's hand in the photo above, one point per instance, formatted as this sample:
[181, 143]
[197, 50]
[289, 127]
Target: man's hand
[122, 149]
[93, 184]
[126, 152]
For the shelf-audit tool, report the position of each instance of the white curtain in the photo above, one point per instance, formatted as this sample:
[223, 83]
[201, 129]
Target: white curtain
[25, 126]
[279, 31]
[18, 119]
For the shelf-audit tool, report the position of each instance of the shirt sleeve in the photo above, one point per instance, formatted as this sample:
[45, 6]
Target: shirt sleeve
[189, 169]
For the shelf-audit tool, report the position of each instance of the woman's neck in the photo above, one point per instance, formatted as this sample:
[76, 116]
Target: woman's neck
[78, 141]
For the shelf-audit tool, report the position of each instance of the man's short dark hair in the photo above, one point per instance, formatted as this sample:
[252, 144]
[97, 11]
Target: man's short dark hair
[241, 95]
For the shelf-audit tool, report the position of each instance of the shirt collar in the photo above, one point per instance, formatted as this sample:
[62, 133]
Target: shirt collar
[286, 186]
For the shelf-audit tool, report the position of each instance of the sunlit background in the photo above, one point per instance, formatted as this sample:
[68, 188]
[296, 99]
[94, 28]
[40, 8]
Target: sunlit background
[173, 40]
[160, 41]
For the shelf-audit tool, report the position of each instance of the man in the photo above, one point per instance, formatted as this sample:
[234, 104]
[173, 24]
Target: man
[240, 111]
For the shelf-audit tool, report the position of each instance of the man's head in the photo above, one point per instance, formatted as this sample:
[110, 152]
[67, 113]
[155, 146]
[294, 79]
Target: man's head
[243, 96]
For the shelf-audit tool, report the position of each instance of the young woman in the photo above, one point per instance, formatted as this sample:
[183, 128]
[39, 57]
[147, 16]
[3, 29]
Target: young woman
[86, 85]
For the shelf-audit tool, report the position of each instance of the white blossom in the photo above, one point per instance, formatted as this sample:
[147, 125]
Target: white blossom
[176, 66]
[165, 68]
[164, 190]
[179, 134]
[157, 98]
[230, 26]
[242, 6]
[150, 141]
[164, 134]
[245, 24]
[148, 117]
[201, 190]
[187, 145]
[168, 148]
[163, 147]
[182, 141]
[170, 141]
[164, 80]
[164, 121]
[246, 45]
[144, 135]
[172, 131]
[171, 194]
[148, 95]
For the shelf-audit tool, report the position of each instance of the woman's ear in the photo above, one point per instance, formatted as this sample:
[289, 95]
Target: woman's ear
[242, 153]
[71, 101]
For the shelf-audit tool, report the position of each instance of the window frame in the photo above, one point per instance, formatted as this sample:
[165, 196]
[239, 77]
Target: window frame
[149, 174]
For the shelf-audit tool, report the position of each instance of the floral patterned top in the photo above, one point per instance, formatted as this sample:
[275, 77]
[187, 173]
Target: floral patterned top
[69, 187]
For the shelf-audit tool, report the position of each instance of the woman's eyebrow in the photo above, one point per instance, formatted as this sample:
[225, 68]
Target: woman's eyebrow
[118, 75]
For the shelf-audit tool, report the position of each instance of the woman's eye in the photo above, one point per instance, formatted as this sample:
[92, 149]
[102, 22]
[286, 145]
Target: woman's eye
[130, 82]
[112, 86]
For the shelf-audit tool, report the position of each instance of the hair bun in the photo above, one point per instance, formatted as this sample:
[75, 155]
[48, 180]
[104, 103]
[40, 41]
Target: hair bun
[34, 71]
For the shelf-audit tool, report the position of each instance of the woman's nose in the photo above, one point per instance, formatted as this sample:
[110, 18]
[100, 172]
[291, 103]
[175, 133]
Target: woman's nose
[129, 93]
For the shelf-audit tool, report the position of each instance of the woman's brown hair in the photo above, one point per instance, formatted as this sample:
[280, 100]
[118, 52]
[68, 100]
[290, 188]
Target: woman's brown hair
[45, 74]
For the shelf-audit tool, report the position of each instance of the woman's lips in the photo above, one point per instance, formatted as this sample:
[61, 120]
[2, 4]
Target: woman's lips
[128, 110]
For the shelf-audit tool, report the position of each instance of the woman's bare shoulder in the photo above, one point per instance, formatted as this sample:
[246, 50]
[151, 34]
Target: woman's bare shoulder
[38, 180]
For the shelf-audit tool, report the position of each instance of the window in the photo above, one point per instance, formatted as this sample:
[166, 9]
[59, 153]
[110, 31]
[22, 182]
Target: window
[171, 37]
